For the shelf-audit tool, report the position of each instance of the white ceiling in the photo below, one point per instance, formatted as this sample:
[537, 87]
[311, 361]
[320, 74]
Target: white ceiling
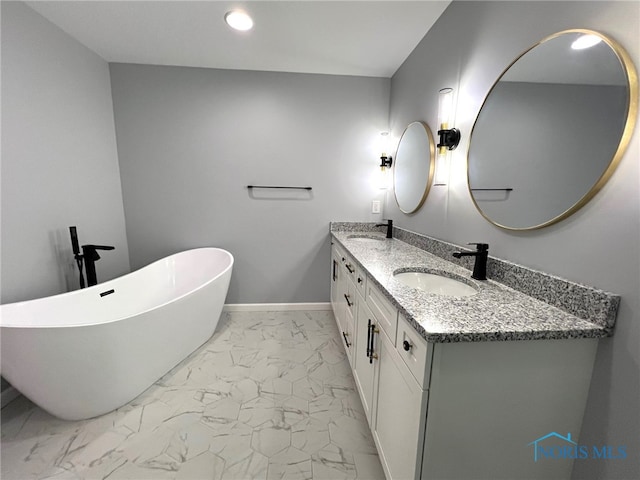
[368, 38]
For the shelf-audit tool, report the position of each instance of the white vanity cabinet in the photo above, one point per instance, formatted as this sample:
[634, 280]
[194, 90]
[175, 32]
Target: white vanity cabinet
[490, 401]
[457, 410]
[393, 400]
[343, 297]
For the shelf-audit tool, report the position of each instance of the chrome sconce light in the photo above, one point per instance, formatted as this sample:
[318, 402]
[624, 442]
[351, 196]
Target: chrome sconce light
[448, 138]
[385, 160]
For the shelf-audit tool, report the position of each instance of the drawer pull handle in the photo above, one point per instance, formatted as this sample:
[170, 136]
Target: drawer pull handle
[350, 268]
[344, 334]
[407, 346]
[359, 280]
[371, 331]
[346, 297]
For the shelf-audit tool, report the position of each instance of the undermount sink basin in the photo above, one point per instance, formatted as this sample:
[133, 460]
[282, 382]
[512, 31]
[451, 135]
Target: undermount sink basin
[434, 283]
[366, 238]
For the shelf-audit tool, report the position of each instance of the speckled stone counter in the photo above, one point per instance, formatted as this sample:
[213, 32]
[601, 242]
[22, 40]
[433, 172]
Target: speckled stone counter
[495, 312]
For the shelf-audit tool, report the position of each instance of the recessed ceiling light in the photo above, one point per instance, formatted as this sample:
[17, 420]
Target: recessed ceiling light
[238, 20]
[585, 41]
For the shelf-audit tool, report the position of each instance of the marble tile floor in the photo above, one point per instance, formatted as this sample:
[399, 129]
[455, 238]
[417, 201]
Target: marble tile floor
[269, 396]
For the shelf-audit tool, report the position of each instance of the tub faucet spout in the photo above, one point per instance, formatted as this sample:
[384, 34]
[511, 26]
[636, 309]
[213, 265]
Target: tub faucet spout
[481, 254]
[90, 255]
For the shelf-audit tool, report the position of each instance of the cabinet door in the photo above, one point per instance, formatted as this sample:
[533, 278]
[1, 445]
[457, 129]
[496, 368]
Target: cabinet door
[400, 415]
[348, 333]
[364, 367]
[338, 282]
[384, 311]
[335, 268]
[349, 295]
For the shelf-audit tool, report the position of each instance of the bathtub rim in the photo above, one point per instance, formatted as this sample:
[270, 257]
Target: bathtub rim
[101, 286]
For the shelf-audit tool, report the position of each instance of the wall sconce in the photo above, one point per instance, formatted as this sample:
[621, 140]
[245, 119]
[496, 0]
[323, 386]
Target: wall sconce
[449, 138]
[385, 160]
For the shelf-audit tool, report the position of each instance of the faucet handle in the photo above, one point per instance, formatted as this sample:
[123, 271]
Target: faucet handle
[103, 247]
[90, 252]
[480, 247]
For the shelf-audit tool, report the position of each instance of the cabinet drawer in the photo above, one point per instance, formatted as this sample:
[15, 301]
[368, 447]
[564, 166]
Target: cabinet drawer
[338, 252]
[415, 351]
[350, 268]
[350, 297]
[383, 310]
[361, 282]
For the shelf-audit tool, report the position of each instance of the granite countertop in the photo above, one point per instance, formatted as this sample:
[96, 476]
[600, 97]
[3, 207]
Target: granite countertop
[496, 312]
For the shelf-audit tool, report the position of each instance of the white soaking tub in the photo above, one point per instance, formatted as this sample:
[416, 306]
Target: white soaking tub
[85, 353]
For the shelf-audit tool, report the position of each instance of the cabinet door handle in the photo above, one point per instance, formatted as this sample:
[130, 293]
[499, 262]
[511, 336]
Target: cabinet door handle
[371, 331]
[335, 270]
[344, 334]
[346, 297]
[407, 346]
[359, 280]
[350, 268]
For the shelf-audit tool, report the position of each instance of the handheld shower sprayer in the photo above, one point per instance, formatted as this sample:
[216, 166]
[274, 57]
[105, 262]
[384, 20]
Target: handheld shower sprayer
[75, 246]
[74, 240]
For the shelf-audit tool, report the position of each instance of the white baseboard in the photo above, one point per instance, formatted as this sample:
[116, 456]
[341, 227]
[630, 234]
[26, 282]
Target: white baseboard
[275, 307]
[7, 395]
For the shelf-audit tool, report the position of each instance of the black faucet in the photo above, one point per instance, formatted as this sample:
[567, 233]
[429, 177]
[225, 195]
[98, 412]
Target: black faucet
[481, 254]
[90, 255]
[389, 226]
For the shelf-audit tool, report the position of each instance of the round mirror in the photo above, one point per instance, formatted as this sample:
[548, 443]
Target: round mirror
[552, 130]
[413, 167]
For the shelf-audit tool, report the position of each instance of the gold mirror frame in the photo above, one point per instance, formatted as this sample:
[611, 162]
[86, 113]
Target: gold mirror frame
[431, 160]
[632, 112]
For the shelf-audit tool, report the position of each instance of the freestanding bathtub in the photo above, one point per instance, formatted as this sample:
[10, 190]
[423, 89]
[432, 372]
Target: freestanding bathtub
[85, 353]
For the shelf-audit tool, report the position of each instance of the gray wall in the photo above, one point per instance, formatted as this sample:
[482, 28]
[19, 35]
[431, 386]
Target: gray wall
[190, 140]
[467, 49]
[59, 158]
